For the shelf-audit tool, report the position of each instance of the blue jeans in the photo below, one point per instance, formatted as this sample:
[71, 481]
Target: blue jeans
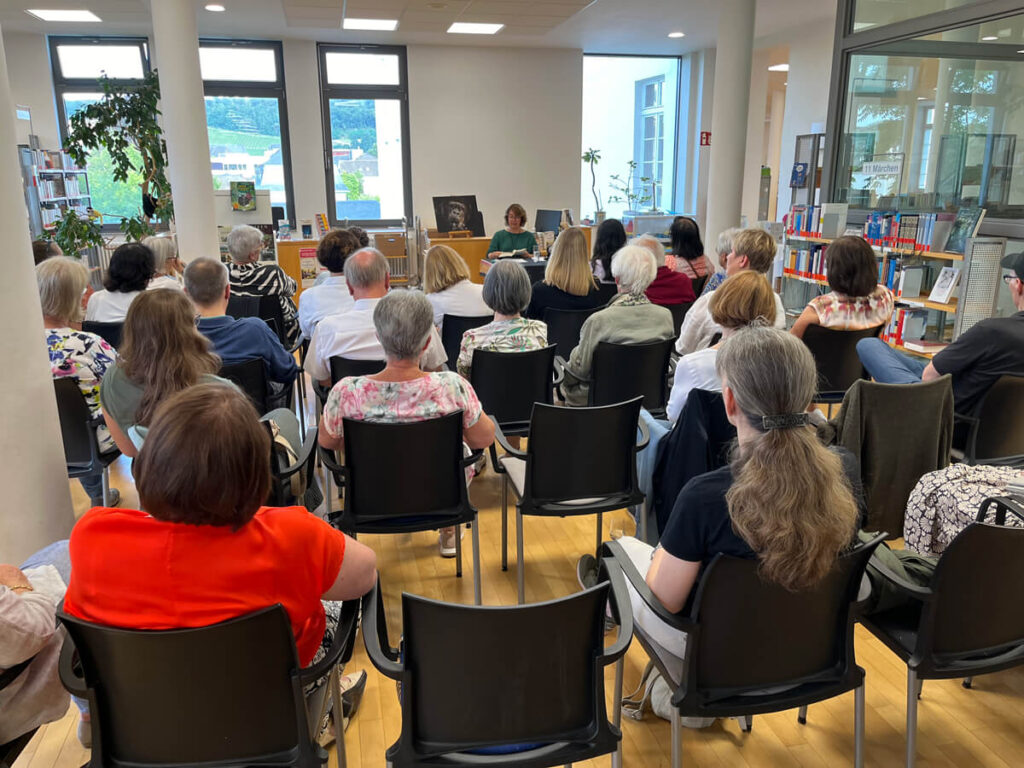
[93, 485]
[888, 366]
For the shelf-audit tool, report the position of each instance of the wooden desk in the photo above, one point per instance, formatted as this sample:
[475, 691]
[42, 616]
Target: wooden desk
[288, 252]
[474, 251]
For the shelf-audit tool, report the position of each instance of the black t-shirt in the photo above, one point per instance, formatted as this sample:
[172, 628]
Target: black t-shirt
[988, 349]
[545, 296]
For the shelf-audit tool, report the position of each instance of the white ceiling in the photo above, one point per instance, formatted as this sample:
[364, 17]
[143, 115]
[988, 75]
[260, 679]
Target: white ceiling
[596, 26]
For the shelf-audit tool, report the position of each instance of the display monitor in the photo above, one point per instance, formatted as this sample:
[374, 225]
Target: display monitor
[547, 221]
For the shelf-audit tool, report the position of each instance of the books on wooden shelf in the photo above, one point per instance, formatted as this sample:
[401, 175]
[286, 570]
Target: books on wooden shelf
[945, 283]
[885, 229]
[926, 347]
[805, 262]
[905, 324]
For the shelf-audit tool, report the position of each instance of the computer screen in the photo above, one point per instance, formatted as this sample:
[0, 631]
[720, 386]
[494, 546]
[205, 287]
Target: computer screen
[547, 221]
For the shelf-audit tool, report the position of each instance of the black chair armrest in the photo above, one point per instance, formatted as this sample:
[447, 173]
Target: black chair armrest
[71, 676]
[906, 587]
[338, 471]
[375, 635]
[297, 347]
[308, 446]
[676, 620]
[972, 420]
[622, 612]
[645, 435]
[341, 648]
[11, 674]
[1003, 504]
[473, 457]
[562, 366]
[321, 392]
[500, 438]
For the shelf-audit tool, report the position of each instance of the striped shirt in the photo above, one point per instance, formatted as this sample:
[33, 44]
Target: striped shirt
[259, 279]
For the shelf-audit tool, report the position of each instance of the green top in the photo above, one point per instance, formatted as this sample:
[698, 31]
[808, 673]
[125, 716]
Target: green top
[504, 240]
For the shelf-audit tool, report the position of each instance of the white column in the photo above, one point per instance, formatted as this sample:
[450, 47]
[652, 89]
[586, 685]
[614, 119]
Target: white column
[176, 44]
[729, 114]
[37, 500]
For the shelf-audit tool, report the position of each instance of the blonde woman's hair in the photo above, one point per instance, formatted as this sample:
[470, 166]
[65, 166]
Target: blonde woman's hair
[789, 500]
[444, 268]
[569, 265]
[163, 248]
[61, 282]
[757, 245]
[742, 299]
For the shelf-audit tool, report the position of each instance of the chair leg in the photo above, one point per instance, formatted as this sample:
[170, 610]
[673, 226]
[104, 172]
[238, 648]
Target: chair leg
[327, 493]
[643, 521]
[458, 550]
[476, 561]
[520, 559]
[677, 739]
[858, 727]
[600, 526]
[617, 712]
[106, 485]
[802, 715]
[920, 687]
[968, 682]
[339, 717]
[504, 522]
[911, 717]
[747, 723]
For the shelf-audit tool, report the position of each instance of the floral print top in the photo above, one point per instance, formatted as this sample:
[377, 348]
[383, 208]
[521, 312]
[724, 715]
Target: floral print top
[853, 313]
[693, 269]
[85, 357]
[516, 335]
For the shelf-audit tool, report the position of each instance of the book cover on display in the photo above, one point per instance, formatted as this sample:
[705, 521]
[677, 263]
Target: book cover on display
[243, 195]
[965, 226]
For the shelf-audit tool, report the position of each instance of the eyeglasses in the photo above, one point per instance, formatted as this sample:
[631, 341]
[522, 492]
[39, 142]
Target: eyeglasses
[196, 320]
[1009, 278]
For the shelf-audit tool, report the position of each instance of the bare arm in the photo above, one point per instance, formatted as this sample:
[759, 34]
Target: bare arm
[121, 440]
[929, 373]
[329, 441]
[807, 317]
[357, 575]
[481, 434]
[671, 579]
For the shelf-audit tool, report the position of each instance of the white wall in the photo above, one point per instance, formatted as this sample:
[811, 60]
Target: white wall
[500, 123]
[755, 134]
[28, 67]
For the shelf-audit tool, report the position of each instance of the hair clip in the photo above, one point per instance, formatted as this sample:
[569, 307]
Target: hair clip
[785, 421]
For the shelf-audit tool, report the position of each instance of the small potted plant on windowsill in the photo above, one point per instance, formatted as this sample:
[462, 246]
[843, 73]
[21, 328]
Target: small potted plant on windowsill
[633, 196]
[591, 157]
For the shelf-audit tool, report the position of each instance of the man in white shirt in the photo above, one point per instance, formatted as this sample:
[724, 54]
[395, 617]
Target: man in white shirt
[751, 249]
[352, 334]
[330, 297]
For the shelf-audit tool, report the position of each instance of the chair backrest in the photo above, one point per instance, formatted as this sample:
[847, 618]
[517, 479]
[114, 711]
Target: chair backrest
[698, 284]
[542, 658]
[267, 308]
[623, 371]
[535, 270]
[579, 453]
[345, 366]
[977, 584]
[251, 378]
[226, 693]
[109, 332]
[79, 438]
[607, 292]
[756, 634]
[243, 306]
[1001, 420]
[835, 355]
[564, 327]
[509, 383]
[452, 328]
[427, 454]
[679, 314]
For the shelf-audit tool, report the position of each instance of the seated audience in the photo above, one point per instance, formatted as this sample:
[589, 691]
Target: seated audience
[364, 242]
[506, 292]
[131, 268]
[856, 300]
[448, 288]
[206, 549]
[723, 247]
[44, 249]
[161, 353]
[234, 341]
[85, 357]
[688, 248]
[166, 263]
[753, 249]
[983, 353]
[330, 297]
[251, 278]
[402, 391]
[608, 239]
[568, 282]
[794, 523]
[668, 287]
[513, 237]
[629, 318]
[739, 302]
[352, 334]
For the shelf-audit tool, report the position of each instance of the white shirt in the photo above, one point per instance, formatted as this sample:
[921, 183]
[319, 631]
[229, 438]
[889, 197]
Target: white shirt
[109, 307]
[353, 335]
[694, 371]
[698, 327]
[164, 281]
[464, 299]
[331, 297]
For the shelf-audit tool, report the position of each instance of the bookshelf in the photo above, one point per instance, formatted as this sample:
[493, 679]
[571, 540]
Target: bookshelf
[52, 185]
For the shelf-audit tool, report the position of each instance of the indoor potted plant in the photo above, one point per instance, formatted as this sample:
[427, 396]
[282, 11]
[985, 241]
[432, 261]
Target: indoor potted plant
[591, 157]
[632, 196]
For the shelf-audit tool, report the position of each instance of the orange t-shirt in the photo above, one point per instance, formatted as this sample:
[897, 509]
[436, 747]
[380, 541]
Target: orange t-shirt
[131, 570]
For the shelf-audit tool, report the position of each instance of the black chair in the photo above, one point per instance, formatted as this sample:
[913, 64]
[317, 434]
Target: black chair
[268, 309]
[109, 332]
[342, 367]
[679, 314]
[995, 428]
[607, 291]
[578, 461]
[251, 378]
[452, 328]
[226, 694]
[754, 647]
[967, 622]
[430, 494]
[9, 752]
[473, 679]
[564, 326]
[698, 284]
[293, 478]
[78, 431]
[623, 371]
[509, 383]
[835, 355]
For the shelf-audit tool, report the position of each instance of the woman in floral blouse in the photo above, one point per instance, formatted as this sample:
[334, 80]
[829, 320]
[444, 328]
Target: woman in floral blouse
[82, 356]
[402, 392]
[856, 301]
[507, 292]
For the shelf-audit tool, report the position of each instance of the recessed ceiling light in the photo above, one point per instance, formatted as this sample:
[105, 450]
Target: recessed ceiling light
[1020, 51]
[920, 98]
[63, 15]
[779, 68]
[215, 8]
[676, 34]
[786, 83]
[377, 25]
[990, 38]
[470, 28]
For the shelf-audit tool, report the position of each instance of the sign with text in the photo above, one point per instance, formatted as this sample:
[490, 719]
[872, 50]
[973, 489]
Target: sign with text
[705, 138]
[878, 167]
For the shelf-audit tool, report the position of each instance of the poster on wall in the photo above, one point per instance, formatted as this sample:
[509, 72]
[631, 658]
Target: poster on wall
[458, 213]
[243, 196]
[309, 267]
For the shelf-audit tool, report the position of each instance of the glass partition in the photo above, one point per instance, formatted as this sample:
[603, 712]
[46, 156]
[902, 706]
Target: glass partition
[868, 14]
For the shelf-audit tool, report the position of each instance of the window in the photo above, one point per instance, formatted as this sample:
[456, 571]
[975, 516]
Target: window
[875, 13]
[77, 65]
[366, 127]
[247, 116]
[649, 132]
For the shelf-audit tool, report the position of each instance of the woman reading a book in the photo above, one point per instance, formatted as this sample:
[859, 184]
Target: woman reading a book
[513, 237]
[856, 301]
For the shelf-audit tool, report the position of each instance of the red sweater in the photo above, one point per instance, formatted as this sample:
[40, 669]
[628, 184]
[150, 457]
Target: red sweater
[670, 288]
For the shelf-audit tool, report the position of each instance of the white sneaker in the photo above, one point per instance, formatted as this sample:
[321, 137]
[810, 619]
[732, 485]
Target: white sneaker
[446, 540]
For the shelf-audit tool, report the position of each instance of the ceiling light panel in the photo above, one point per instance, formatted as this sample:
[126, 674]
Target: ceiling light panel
[58, 15]
[375, 25]
[472, 28]
[779, 68]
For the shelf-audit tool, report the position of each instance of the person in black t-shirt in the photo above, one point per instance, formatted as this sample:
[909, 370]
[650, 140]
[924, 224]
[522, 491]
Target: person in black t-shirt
[976, 360]
[785, 499]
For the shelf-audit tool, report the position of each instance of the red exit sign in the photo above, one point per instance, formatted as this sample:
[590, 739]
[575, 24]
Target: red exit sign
[705, 138]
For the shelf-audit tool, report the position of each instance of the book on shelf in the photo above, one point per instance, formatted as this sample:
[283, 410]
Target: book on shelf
[911, 280]
[833, 219]
[945, 283]
[926, 347]
[322, 225]
[965, 226]
[905, 324]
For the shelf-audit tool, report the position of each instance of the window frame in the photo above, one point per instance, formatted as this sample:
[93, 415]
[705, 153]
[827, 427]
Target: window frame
[261, 90]
[640, 137]
[398, 92]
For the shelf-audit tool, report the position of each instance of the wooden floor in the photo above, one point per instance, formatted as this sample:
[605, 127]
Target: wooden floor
[957, 727]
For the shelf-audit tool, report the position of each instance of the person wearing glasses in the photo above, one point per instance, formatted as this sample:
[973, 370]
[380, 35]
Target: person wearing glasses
[982, 354]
